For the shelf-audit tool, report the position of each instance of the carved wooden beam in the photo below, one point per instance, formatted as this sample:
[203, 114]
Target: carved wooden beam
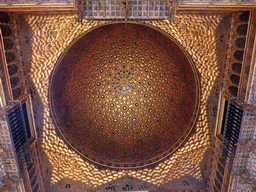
[126, 6]
[80, 8]
[172, 5]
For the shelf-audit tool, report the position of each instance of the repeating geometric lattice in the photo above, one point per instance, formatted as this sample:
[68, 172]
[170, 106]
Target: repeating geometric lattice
[111, 9]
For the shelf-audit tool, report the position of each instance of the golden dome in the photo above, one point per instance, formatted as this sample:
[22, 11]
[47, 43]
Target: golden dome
[124, 96]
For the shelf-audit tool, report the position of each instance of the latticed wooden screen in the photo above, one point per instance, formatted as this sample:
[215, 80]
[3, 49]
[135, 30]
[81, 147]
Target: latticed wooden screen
[111, 9]
[231, 133]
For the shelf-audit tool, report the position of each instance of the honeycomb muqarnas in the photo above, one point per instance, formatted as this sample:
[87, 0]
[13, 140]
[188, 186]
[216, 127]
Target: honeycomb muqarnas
[50, 37]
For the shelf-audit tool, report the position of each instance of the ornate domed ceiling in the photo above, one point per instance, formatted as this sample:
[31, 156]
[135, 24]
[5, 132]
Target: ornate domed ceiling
[124, 96]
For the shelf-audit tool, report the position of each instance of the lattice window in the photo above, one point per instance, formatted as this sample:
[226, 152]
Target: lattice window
[111, 9]
[16, 121]
[231, 132]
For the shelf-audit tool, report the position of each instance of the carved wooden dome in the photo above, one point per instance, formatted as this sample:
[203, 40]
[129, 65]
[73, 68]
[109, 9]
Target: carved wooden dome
[124, 96]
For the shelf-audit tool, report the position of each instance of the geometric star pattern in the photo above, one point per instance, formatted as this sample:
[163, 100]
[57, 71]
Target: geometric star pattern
[50, 35]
